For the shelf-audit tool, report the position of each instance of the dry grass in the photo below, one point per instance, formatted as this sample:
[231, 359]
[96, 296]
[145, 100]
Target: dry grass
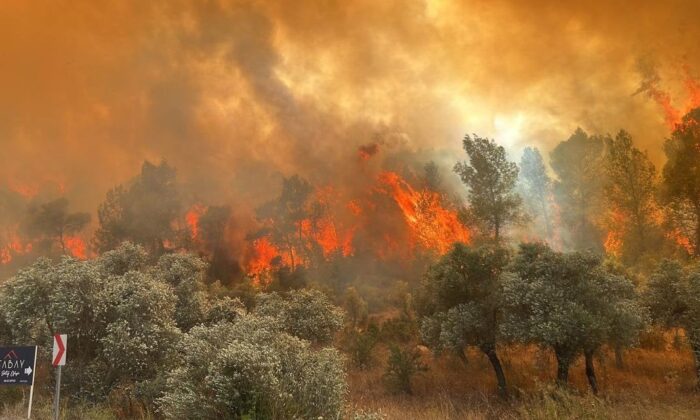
[655, 384]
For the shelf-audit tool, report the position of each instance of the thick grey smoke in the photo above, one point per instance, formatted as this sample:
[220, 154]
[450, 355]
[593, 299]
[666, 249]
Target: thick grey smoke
[236, 94]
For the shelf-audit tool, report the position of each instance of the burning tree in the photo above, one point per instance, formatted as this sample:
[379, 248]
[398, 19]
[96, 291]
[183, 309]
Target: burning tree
[490, 179]
[51, 223]
[681, 179]
[630, 187]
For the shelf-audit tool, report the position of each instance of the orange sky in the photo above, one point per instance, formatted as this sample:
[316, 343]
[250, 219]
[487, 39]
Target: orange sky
[235, 93]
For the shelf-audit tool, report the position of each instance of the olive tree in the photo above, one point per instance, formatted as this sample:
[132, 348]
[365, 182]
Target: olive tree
[570, 303]
[673, 298]
[460, 303]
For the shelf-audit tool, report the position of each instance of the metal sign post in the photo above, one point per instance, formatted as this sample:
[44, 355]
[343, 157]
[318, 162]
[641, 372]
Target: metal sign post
[60, 342]
[31, 390]
[17, 366]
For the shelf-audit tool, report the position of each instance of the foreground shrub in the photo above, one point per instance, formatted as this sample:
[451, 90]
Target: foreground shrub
[361, 349]
[402, 366]
[251, 367]
[305, 313]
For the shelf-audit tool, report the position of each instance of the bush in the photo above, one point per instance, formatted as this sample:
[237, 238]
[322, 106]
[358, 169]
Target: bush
[251, 367]
[402, 366]
[399, 329]
[361, 348]
[306, 313]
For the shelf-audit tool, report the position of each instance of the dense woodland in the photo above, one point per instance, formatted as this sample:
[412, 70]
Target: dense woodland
[584, 257]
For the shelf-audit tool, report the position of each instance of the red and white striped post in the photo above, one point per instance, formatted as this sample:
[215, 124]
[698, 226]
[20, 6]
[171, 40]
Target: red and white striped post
[60, 344]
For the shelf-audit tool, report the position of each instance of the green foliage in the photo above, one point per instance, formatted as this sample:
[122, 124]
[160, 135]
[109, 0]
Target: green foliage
[577, 162]
[140, 333]
[361, 348]
[673, 299]
[666, 294]
[569, 303]
[118, 312]
[460, 301]
[459, 298]
[490, 179]
[403, 365]
[251, 367]
[185, 274]
[305, 313]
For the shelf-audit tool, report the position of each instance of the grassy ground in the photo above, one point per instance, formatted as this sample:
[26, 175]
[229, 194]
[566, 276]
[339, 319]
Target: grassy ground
[655, 384]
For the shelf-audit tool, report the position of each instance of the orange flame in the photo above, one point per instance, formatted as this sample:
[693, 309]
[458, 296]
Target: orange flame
[192, 219]
[674, 115]
[614, 239]
[432, 225]
[76, 247]
[12, 248]
[680, 239]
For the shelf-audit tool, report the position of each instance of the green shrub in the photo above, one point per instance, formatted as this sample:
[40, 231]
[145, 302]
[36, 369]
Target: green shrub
[305, 313]
[402, 366]
[251, 367]
[361, 348]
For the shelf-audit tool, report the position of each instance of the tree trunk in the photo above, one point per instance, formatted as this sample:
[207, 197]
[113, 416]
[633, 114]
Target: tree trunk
[619, 360]
[462, 356]
[697, 237]
[696, 249]
[696, 358]
[590, 372]
[490, 351]
[563, 363]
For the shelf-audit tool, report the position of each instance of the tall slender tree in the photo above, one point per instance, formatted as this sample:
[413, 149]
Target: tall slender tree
[681, 174]
[537, 186]
[630, 190]
[577, 162]
[490, 179]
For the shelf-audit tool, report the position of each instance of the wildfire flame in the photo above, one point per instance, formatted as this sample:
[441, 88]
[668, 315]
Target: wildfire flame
[680, 239]
[614, 239]
[14, 246]
[192, 219]
[76, 247]
[432, 225]
[673, 115]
